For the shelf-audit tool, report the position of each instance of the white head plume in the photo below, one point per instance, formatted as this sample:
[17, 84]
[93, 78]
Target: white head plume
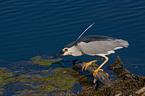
[84, 31]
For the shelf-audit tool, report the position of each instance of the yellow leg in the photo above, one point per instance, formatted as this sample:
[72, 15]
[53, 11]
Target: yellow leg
[89, 63]
[99, 68]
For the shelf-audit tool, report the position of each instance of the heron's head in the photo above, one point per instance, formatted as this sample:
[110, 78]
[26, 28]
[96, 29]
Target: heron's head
[65, 51]
[74, 51]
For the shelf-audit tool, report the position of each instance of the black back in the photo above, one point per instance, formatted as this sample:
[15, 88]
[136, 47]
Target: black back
[90, 38]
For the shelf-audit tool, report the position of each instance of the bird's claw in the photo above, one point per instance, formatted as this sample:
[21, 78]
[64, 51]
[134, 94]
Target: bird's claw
[86, 65]
[96, 71]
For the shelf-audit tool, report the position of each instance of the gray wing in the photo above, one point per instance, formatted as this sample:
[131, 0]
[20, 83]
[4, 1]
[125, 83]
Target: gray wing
[101, 46]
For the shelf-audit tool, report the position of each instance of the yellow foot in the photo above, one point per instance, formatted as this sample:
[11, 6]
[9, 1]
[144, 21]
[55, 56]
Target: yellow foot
[86, 65]
[96, 71]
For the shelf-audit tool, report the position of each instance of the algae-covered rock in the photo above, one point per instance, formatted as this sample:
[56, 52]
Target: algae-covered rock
[57, 82]
[39, 61]
[54, 81]
[36, 82]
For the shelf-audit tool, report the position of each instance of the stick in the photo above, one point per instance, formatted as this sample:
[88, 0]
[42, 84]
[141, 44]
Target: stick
[101, 76]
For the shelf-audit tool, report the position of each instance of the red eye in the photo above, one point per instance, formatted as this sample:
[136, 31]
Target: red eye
[65, 49]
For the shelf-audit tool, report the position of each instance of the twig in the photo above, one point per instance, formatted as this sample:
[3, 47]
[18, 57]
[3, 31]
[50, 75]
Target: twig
[101, 75]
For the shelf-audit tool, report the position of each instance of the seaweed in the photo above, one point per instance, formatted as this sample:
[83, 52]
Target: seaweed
[43, 62]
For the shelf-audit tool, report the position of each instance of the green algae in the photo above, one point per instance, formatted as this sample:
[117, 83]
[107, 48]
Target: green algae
[45, 71]
[1, 80]
[4, 74]
[26, 91]
[61, 69]
[59, 82]
[46, 83]
[1, 92]
[21, 78]
[50, 80]
[39, 61]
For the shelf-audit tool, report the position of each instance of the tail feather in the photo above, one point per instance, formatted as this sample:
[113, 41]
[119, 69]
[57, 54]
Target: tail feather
[123, 43]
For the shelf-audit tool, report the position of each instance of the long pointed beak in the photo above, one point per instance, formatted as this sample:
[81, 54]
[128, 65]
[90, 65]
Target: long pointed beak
[59, 54]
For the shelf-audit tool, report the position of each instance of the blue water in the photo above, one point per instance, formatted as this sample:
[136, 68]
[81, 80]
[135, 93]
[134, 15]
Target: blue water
[43, 27]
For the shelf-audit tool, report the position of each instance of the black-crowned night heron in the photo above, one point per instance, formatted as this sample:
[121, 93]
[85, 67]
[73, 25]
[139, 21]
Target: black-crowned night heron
[93, 45]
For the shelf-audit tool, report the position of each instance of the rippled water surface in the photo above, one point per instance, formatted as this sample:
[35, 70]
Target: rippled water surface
[43, 27]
